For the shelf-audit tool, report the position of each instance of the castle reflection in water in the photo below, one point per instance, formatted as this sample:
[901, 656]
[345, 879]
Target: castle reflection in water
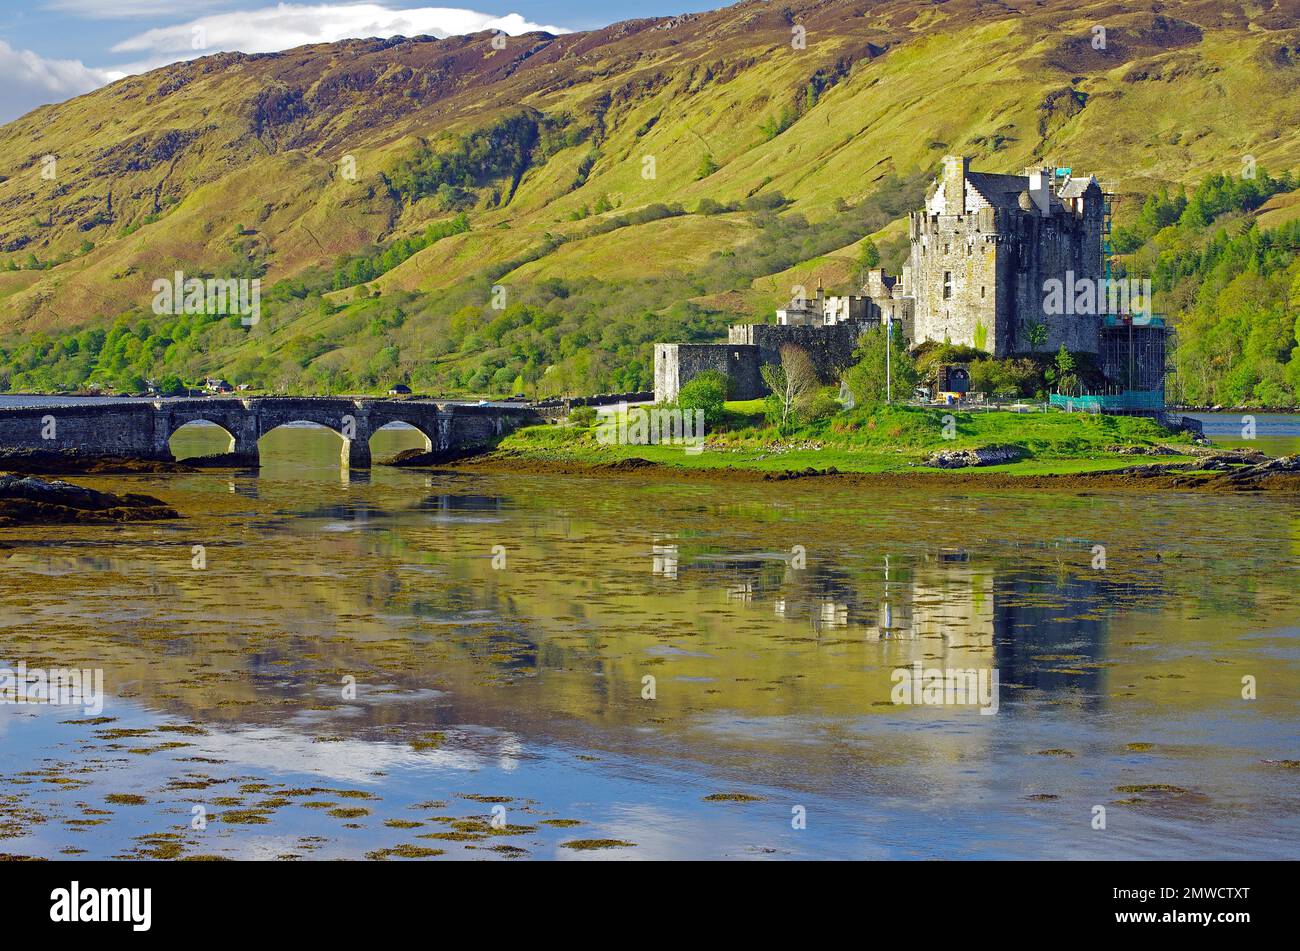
[973, 612]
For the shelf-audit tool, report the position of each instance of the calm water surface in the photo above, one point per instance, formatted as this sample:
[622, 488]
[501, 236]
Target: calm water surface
[518, 686]
[1277, 434]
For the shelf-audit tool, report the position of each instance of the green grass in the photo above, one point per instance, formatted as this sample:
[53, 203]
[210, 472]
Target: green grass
[871, 440]
[747, 407]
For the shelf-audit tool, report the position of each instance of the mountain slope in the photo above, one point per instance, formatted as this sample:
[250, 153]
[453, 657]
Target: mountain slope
[242, 165]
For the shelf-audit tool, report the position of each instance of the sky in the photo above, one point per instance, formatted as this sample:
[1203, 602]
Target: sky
[51, 50]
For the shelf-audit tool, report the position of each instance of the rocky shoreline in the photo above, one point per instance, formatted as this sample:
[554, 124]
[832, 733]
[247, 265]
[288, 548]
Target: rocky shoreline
[27, 500]
[983, 456]
[71, 462]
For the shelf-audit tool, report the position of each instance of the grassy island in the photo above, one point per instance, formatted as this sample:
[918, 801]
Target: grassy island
[877, 439]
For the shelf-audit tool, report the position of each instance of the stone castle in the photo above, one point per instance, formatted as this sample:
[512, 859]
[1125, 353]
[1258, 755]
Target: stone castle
[983, 250]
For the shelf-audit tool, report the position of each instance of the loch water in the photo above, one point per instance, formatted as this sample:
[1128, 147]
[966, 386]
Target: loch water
[447, 665]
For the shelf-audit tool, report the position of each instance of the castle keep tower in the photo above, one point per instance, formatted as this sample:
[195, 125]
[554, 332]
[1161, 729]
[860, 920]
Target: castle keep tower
[984, 248]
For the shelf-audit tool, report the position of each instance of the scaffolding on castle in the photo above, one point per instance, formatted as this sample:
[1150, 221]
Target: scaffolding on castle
[1133, 348]
[1107, 251]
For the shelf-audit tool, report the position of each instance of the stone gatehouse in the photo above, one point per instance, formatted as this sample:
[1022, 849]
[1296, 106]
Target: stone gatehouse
[676, 364]
[748, 348]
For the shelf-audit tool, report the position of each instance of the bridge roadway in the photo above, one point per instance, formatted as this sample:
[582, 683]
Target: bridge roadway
[142, 429]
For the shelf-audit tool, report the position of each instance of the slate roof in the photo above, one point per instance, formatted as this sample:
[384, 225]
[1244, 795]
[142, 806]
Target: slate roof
[1075, 187]
[1000, 191]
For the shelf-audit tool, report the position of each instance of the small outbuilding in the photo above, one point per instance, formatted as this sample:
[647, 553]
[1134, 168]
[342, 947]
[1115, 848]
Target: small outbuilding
[953, 382]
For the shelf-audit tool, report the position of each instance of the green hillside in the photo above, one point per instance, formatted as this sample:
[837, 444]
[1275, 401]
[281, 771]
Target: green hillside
[655, 179]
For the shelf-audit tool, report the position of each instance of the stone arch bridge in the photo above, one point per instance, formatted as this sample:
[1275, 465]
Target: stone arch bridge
[142, 429]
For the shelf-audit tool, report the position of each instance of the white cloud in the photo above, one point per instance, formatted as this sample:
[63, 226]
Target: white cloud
[28, 80]
[287, 25]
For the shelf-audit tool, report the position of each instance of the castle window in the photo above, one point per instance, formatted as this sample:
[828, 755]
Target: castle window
[981, 291]
[945, 249]
[947, 284]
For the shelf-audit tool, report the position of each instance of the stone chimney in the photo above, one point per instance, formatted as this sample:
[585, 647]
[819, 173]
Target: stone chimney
[955, 168]
[1040, 189]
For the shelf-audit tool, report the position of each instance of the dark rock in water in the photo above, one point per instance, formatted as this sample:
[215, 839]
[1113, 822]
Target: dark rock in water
[25, 500]
[629, 465]
[983, 456]
[419, 457]
[1289, 463]
[223, 460]
[406, 457]
[808, 472]
[1231, 469]
[48, 462]
[1249, 476]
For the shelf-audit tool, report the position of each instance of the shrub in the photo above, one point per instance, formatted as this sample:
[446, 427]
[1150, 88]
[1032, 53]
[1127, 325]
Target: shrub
[708, 392]
[820, 405]
[582, 416]
[1017, 376]
[706, 168]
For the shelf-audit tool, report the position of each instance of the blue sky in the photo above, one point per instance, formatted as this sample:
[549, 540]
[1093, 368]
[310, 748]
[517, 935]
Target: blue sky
[51, 50]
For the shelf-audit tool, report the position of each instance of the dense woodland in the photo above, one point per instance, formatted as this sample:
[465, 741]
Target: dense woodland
[1230, 287]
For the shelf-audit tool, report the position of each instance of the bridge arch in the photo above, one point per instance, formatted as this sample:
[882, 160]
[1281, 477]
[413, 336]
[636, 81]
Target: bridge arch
[403, 436]
[197, 437]
[349, 418]
[354, 449]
